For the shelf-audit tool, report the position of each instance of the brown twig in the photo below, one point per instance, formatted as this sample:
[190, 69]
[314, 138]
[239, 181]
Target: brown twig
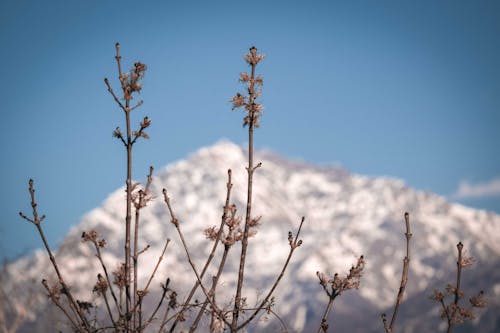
[135, 257]
[108, 280]
[153, 314]
[55, 299]
[404, 280]
[253, 113]
[333, 287]
[36, 220]
[175, 222]
[229, 186]
[140, 204]
[294, 244]
[100, 288]
[156, 267]
[453, 312]
[129, 85]
[211, 293]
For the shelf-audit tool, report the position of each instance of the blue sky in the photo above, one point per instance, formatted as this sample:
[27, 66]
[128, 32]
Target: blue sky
[398, 88]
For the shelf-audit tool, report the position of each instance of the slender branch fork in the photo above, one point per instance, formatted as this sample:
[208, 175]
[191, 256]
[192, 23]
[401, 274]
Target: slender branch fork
[130, 85]
[175, 222]
[333, 288]
[36, 220]
[404, 279]
[254, 111]
[229, 186]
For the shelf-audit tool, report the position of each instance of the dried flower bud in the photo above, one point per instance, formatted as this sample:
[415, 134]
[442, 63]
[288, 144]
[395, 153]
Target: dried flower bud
[117, 133]
[437, 295]
[323, 280]
[217, 326]
[246, 121]
[238, 100]
[84, 306]
[90, 236]
[478, 301]
[173, 300]
[259, 80]
[244, 77]
[466, 261]
[101, 285]
[142, 293]
[119, 277]
[146, 122]
[253, 57]
[211, 233]
[255, 221]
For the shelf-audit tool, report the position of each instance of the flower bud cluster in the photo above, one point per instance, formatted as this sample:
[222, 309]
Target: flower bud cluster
[254, 89]
[232, 232]
[334, 286]
[130, 81]
[93, 237]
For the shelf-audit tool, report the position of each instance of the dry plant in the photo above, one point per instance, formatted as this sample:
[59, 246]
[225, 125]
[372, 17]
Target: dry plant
[404, 280]
[335, 285]
[119, 289]
[453, 312]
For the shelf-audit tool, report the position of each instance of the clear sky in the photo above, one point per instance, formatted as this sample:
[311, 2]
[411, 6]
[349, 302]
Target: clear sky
[409, 89]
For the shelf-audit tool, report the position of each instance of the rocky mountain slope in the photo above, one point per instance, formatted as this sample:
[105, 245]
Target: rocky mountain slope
[346, 215]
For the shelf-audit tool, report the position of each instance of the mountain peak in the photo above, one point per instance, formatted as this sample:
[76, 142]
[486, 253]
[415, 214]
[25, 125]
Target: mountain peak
[346, 215]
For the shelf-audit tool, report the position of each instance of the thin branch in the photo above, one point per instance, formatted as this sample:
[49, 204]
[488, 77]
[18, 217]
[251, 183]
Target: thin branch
[294, 244]
[337, 286]
[117, 100]
[457, 292]
[37, 222]
[55, 300]
[162, 298]
[324, 320]
[404, 279]
[215, 280]
[99, 256]
[101, 287]
[229, 186]
[136, 256]
[175, 222]
[252, 119]
[145, 290]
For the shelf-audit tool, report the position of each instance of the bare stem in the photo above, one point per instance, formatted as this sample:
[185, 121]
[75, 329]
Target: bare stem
[457, 292]
[99, 256]
[294, 244]
[324, 321]
[250, 170]
[151, 277]
[162, 298]
[136, 255]
[229, 186]
[129, 85]
[175, 222]
[36, 220]
[404, 279]
[55, 300]
[215, 280]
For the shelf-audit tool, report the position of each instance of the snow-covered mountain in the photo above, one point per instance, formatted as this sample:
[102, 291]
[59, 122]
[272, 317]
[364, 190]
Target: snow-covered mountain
[346, 215]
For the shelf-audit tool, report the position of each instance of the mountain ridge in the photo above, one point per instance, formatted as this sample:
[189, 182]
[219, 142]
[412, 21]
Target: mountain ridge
[346, 215]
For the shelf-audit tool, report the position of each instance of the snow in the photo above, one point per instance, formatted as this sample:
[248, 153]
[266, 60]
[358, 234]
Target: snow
[346, 215]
